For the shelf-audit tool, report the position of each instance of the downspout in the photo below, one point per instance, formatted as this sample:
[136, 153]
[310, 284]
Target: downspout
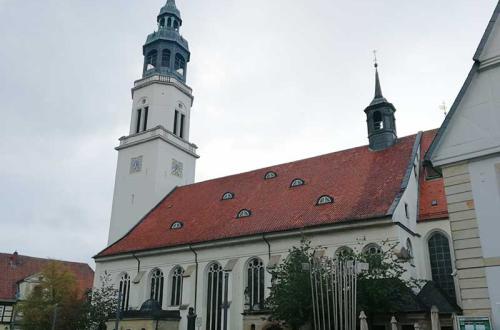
[195, 278]
[268, 246]
[138, 263]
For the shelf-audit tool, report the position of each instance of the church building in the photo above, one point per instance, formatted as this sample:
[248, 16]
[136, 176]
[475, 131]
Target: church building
[187, 245]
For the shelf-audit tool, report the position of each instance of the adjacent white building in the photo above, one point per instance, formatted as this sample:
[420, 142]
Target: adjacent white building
[467, 151]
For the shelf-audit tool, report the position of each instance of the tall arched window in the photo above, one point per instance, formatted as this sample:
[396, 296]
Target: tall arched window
[377, 120]
[176, 291]
[151, 59]
[441, 266]
[409, 250]
[157, 286]
[215, 289]
[169, 22]
[165, 58]
[124, 291]
[180, 64]
[254, 292]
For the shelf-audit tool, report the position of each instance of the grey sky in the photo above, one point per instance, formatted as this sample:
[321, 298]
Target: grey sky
[274, 81]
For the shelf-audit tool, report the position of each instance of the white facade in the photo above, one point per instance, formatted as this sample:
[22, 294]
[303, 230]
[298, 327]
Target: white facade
[155, 157]
[241, 251]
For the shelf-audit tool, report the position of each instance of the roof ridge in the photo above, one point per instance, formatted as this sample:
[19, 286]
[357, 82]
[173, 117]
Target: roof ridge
[45, 259]
[294, 161]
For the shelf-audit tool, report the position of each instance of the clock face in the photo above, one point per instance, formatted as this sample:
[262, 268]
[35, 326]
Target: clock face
[136, 164]
[177, 168]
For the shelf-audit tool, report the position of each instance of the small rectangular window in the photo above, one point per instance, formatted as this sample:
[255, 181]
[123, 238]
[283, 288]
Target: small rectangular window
[175, 121]
[181, 132]
[145, 124]
[138, 124]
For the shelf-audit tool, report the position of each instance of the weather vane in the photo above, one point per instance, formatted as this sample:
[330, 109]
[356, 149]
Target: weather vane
[444, 108]
[375, 58]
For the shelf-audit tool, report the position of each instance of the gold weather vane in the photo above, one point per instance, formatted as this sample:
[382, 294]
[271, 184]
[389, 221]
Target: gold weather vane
[444, 108]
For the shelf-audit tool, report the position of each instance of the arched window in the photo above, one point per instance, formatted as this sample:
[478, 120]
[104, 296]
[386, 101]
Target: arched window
[151, 59]
[270, 175]
[176, 25]
[180, 64]
[165, 58]
[227, 195]
[215, 287]
[372, 248]
[244, 213]
[157, 286]
[124, 290]
[162, 22]
[409, 250]
[441, 266]
[325, 199]
[344, 252]
[177, 280]
[297, 182]
[377, 120]
[254, 292]
[169, 22]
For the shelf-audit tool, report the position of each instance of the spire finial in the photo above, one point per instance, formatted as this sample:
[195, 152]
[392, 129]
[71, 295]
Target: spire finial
[378, 89]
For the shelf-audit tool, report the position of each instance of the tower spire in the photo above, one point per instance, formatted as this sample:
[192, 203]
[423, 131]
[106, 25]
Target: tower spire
[378, 97]
[378, 89]
[380, 117]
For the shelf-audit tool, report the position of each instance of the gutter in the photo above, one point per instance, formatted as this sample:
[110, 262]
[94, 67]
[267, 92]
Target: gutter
[380, 220]
[195, 277]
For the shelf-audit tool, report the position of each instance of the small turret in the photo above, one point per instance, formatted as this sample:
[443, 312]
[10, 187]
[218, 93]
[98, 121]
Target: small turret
[380, 119]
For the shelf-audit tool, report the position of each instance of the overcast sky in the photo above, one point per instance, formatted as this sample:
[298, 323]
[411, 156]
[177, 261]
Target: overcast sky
[274, 81]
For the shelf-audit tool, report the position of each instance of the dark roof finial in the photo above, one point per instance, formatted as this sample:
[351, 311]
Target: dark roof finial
[378, 89]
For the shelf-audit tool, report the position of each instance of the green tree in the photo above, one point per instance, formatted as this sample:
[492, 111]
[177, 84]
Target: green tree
[102, 304]
[290, 299]
[386, 286]
[57, 289]
[381, 289]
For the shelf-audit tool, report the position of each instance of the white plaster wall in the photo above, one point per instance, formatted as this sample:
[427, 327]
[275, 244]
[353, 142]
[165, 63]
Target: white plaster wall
[485, 181]
[410, 197]
[148, 186]
[355, 238]
[162, 101]
[473, 130]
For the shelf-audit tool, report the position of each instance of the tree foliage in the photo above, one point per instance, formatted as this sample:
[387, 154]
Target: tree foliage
[102, 304]
[381, 289]
[57, 289]
[76, 310]
[290, 299]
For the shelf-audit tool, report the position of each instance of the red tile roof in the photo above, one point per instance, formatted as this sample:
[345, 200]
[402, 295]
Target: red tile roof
[12, 271]
[431, 190]
[363, 183]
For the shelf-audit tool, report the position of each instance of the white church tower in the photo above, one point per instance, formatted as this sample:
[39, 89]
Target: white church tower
[156, 156]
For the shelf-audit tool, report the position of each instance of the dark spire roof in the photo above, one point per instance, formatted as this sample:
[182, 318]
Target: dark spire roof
[170, 8]
[378, 98]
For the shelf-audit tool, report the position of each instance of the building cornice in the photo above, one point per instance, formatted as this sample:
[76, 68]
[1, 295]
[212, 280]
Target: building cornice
[158, 132]
[346, 225]
[163, 80]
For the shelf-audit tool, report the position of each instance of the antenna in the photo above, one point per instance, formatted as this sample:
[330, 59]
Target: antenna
[375, 63]
[444, 108]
